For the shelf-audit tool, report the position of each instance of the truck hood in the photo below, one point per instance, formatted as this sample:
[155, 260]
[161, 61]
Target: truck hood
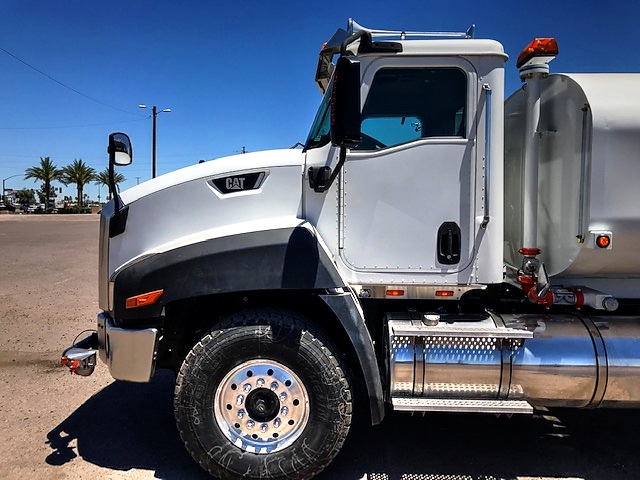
[189, 206]
[212, 168]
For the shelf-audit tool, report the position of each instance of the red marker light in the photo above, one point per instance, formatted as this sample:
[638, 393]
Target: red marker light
[603, 241]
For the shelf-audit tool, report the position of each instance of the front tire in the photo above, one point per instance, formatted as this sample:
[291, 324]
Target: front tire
[263, 396]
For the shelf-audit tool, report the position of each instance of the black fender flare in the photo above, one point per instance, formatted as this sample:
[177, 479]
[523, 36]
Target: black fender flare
[346, 308]
[284, 258]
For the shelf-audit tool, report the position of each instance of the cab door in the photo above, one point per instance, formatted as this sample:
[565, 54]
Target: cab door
[407, 202]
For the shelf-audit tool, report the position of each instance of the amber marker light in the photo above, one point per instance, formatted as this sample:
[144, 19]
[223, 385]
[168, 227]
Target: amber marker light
[395, 293]
[444, 293]
[143, 299]
[603, 241]
[539, 47]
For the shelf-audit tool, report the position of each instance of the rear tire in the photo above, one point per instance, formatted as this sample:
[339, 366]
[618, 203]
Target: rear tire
[263, 396]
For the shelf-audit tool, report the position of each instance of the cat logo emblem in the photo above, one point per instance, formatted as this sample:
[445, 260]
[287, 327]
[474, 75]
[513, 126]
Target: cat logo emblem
[234, 183]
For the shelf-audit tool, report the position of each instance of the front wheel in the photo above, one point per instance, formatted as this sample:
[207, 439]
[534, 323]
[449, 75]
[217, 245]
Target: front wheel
[263, 396]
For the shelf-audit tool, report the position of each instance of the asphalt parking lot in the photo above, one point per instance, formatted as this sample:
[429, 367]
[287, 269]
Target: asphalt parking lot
[57, 426]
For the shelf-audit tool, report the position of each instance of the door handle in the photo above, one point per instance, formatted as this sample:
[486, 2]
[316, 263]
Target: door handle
[449, 243]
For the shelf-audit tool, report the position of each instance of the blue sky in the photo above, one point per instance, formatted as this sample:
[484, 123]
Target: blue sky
[235, 74]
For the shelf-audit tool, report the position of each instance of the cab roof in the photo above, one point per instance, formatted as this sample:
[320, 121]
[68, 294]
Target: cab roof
[359, 40]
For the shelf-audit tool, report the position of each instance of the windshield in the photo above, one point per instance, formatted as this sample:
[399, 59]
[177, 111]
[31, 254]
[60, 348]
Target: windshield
[320, 130]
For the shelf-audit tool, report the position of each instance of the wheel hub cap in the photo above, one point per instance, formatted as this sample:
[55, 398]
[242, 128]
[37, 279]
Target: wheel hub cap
[261, 406]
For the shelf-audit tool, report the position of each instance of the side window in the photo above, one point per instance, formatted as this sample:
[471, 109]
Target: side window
[405, 104]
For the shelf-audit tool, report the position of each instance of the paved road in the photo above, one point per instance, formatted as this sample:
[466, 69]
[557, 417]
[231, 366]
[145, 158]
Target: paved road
[57, 426]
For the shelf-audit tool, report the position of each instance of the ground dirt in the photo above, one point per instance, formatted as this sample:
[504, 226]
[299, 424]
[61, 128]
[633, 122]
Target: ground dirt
[54, 425]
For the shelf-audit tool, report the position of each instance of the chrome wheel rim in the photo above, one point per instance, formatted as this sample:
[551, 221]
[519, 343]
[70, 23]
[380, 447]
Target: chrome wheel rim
[261, 406]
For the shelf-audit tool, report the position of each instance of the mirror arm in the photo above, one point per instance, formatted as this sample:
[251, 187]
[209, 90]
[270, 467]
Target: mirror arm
[119, 219]
[111, 150]
[112, 187]
[321, 178]
[336, 171]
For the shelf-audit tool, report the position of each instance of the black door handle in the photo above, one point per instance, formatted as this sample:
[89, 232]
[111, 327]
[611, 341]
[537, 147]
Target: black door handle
[449, 243]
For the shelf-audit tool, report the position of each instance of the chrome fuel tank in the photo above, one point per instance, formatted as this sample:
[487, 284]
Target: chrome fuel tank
[621, 338]
[579, 361]
[559, 366]
[548, 360]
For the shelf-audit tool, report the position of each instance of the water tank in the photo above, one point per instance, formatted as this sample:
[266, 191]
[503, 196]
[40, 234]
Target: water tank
[589, 179]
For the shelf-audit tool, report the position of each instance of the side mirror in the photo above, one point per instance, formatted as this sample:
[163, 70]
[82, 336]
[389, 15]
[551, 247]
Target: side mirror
[120, 150]
[120, 153]
[345, 103]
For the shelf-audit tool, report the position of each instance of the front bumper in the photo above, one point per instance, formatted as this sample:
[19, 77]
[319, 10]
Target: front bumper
[130, 354]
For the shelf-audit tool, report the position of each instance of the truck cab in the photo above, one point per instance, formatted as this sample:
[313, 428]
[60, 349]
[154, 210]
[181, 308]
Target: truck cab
[431, 248]
[411, 204]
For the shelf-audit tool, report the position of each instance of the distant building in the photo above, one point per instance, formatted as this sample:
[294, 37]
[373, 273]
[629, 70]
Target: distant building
[10, 196]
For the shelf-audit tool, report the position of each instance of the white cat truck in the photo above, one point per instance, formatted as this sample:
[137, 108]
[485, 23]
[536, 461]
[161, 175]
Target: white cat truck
[432, 248]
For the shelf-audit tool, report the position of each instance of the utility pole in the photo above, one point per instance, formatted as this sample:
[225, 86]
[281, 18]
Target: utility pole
[154, 114]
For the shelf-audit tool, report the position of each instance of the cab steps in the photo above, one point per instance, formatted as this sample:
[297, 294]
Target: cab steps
[507, 407]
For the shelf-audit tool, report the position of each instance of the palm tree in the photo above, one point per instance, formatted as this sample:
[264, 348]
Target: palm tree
[79, 173]
[102, 178]
[47, 172]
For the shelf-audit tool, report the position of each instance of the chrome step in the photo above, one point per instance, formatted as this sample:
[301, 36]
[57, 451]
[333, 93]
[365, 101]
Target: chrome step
[486, 329]
[483, 329]
[461, 405]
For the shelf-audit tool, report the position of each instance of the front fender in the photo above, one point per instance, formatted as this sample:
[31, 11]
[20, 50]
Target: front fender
[282, 258]
[290, 257]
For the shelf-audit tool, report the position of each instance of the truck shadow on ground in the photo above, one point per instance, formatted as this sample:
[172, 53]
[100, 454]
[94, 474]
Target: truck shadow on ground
[127, 426]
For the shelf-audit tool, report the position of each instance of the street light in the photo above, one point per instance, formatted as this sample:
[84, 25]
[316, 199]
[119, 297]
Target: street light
[154, 114]
[4, 180]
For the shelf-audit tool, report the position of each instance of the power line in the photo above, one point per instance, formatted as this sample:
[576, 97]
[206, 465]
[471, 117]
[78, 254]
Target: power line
[63, 84]
[73, 126]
